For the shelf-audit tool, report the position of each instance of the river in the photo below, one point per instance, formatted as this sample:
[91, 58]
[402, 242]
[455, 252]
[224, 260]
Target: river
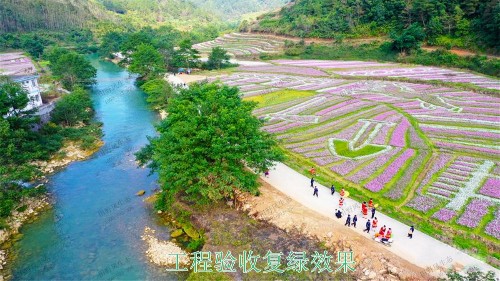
[93, 231]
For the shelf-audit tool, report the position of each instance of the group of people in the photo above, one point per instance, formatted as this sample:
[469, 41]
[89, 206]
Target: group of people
[384, 234]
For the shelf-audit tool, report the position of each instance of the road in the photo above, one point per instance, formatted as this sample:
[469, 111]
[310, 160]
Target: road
[422, 250]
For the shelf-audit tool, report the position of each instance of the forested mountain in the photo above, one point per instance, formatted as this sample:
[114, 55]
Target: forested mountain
[458, 22]
[29, 15]
[180, 13]
[233, 9]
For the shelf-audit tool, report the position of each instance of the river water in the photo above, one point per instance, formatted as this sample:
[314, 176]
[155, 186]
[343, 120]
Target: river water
[94, 229]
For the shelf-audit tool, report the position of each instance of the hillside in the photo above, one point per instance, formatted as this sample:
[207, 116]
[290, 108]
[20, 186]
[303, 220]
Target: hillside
[180, 13]
[233, 10]
[51, 14]
[459, 23]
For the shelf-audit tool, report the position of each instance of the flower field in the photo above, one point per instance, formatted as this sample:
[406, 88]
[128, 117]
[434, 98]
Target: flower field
[376, 69]
[239, 44]
[427, 149]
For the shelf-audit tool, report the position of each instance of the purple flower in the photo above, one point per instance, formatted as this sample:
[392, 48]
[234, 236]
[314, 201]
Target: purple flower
[491, 188]
[423, 203]
[474, 212]
[493, 228]
[379, 182]
[444, 215]
[398, 136]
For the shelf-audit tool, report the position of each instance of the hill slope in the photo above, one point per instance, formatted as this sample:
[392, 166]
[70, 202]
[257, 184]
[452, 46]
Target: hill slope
[459, 22]
[32, 15]
[233, 9]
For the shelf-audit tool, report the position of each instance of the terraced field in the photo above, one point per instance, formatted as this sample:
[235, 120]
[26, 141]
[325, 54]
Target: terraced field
[432, 151]
[239, 44]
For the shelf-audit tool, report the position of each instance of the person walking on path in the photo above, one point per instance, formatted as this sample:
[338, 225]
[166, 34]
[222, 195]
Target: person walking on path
[354, 220]
[266, 173]
[373, 212]
[315, 191]
[348, 220]
[364, 209]
[367, 227]
[312, 181]
[410, 233]
[341, 202]
[312, 171]
[374, 224]
[332, 189]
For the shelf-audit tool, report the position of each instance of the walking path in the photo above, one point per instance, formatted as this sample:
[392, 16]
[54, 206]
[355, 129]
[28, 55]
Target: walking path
[422, 250]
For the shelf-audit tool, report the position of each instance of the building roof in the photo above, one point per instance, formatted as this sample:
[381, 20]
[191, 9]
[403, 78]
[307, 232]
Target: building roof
[16, 64]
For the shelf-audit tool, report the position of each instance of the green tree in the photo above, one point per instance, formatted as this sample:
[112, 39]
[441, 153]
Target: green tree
[147, 62]
[72, 68]
[159, 92]
[409, 39]
[185, 56]
[13, 97]
[110, 43]
[33, 45]
[218, 58]
[73, 108]
[207, 143]
[473, 274]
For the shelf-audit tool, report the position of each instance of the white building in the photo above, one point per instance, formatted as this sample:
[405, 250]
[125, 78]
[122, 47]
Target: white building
[21, 70]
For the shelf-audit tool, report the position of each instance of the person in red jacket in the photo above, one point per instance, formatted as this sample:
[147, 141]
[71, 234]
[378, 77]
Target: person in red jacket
[370, 203]
[341, 202]
[342, 192]
[382, 231]
[364, 209]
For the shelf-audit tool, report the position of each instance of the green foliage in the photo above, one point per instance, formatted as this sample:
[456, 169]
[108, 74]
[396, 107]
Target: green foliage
[73, 108]
[185, 56]
[13, 97]
[218, 59]
[159, 92]
[206, 143]
[475, 23]
[409, 39]
[70, 67]
[342, 149]
[147, 62]
[473, 274]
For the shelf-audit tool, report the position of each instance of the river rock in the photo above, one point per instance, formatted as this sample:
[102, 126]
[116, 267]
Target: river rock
[191, 232]
[176, 233]
[141, 192]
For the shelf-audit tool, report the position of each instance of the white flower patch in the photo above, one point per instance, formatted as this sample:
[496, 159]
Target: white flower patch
[312, 119]
[451, 181]
[473, 184]
[452, 119]
[469, 129]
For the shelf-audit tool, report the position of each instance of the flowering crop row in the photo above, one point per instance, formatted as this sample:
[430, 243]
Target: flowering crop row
[379, 182]
[474, 212]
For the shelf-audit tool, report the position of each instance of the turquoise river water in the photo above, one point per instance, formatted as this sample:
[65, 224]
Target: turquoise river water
[93, 232]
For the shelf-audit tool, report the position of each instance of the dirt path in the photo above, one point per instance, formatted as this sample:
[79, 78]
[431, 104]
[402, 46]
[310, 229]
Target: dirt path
[460, 52]
[423, 250]
[316, 40]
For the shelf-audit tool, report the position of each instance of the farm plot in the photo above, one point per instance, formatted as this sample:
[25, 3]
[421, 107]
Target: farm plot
[376, 69]
[433, 149]
[239, 44]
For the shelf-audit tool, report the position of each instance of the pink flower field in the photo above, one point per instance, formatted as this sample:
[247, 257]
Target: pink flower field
[440, 143]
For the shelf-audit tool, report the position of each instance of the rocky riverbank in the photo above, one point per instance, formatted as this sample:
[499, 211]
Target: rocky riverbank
[159, 252]
[29, 208]
[70, 152]
[26, 211]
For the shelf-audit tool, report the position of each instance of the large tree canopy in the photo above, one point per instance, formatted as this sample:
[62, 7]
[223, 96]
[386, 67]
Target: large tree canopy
[72, 68]
[207, 142]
